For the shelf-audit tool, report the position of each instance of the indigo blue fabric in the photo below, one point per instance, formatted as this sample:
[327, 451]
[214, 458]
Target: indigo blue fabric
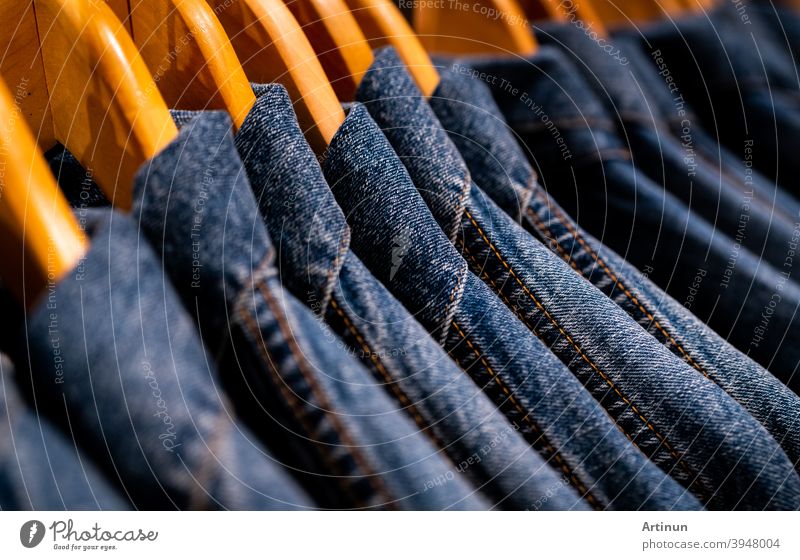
[583, 164]
[39, 468]
[317, 265]
[606, 349]
[525, 380]
[467, 111]
[734, 207]
[739, 82]
[110, 356]
[75, 182]
[318, 408]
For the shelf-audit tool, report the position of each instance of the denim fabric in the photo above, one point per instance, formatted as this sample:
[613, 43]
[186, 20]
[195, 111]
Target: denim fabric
[39, 468]
[466, 109]
[525, 380]
[735, 208]
[738, 81]
[75, 182]
[111, 358]
[712, 440]
[584, 165]
[315, 405]
[665, 99]
[317, 265]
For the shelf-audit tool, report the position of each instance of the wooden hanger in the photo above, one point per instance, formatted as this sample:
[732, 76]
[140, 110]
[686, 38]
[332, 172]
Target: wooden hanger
[486, 26]
[273, 48]
[627, 12]
[705, 5]
[84, 85]
[120, 9]
[40, 239]
[189, 54]
[338, 41]
[383, 24]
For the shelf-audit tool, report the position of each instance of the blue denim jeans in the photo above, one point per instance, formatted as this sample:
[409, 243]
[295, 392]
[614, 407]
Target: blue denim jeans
[738, 80]
[321, 411]
[736, 208]
[317, 265]
[574, 146]
[526, 381]
[40, 469]
[467, 111]
[606, 349]
[114, 360]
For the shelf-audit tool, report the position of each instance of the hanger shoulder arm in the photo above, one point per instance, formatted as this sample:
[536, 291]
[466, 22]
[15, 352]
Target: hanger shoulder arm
[273, 48]
[41, 241]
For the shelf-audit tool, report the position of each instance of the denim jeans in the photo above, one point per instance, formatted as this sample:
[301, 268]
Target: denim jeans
[39, 468]
[315, 404]
[606, 349]
[525, 380]
[496, 162]
[317, 265]
[113, 360]
[734, 207]
[573, 144]
[739, 82]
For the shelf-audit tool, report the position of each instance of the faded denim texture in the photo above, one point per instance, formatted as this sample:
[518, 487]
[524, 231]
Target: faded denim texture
[117, 364]
[466, 109]
[317, 265]
[583, 164]
[714, 446]
[532, 387]
[736, 208]
[319, 409]
[40, 469]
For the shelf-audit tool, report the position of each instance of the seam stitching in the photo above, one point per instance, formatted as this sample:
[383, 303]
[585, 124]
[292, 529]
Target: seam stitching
[325, 406]
[526, 417]
[381, 368]
[656, 323]
[581, 353]
[291, 398]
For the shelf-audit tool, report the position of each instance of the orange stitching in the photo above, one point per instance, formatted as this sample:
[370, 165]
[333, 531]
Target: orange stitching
[291, 398]
[624, 289]
[520, 316]
[580, 352]
[399, 393]
[527, 419]
[375, 482]
[548, 233]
